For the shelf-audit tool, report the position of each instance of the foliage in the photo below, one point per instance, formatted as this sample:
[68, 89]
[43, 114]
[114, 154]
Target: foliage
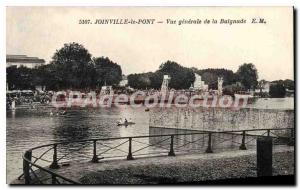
[139, 81]
[247, 75]
[11, 77]
[289, 84]
[181, 77]
[145, 80]
[19, 78]
[156, 79]
[233, 88]
[277, 90]
[46, 76]
[73, 66]
[106, 72]
[210, 76]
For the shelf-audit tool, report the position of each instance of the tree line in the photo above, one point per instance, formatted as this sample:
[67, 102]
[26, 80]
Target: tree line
[73, 67]
[183, 77]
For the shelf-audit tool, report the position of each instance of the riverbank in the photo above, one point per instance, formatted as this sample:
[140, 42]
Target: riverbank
[178, 169]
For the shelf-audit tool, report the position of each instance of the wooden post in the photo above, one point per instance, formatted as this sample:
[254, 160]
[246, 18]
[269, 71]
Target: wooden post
[268, 131]
[172, 153]
[243, 145]
[130, 157]
[26, 167]
[54, 164]
[95, 157]
[264, 156]
[209, 149]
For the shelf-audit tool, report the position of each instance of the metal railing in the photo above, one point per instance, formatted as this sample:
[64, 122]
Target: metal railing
[164, 144]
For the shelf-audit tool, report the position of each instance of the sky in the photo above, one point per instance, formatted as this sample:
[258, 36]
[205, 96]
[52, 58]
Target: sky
[40, 31]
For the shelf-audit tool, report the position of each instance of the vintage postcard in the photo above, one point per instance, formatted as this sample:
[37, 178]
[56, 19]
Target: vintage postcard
[150, 95]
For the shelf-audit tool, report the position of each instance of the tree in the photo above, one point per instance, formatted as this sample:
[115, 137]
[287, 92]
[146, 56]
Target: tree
[70, 67]
[139, 81]
[211, 79]
[277, 90]
[19, 78]
[106, 72]
[45, 75]
[73, 66]
[181, 77]
[156, 79]
[210, 76]
[289, 84]
[247, 75]
[12, 77]
[232, 89]
[145, 80]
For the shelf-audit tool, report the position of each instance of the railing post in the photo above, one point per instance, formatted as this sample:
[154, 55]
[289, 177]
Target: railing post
[130, 157]
[172, 153]
[291, 141]
[53, 179]
[209, 149]
[268, 131]
[243, 145]
[54, 164]
[95, 157]
[26, 166]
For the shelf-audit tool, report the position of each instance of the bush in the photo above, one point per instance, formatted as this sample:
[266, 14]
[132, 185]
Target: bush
[277, 91]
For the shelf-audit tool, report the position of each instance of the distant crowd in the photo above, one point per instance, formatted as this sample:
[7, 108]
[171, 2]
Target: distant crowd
[27, 97]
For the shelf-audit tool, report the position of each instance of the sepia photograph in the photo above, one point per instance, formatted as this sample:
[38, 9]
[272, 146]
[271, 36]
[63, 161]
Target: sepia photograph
[150, 95]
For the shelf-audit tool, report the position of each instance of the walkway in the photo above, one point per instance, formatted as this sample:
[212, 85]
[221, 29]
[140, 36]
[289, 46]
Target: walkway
[181, 168]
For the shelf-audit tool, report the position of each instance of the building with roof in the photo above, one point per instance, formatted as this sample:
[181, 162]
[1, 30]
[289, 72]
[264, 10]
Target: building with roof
[23, 60]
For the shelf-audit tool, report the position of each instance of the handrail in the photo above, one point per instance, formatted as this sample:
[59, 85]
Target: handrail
[144, 136]
[49, 171]
[27, 163]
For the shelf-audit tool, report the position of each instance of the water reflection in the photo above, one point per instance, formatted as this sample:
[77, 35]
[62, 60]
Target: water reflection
[68, 130]
[30, 128]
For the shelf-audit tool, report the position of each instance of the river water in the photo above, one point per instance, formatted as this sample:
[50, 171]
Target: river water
[29, 128]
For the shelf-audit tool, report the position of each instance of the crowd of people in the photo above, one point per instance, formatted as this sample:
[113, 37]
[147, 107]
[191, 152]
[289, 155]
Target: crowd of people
[27, 97]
